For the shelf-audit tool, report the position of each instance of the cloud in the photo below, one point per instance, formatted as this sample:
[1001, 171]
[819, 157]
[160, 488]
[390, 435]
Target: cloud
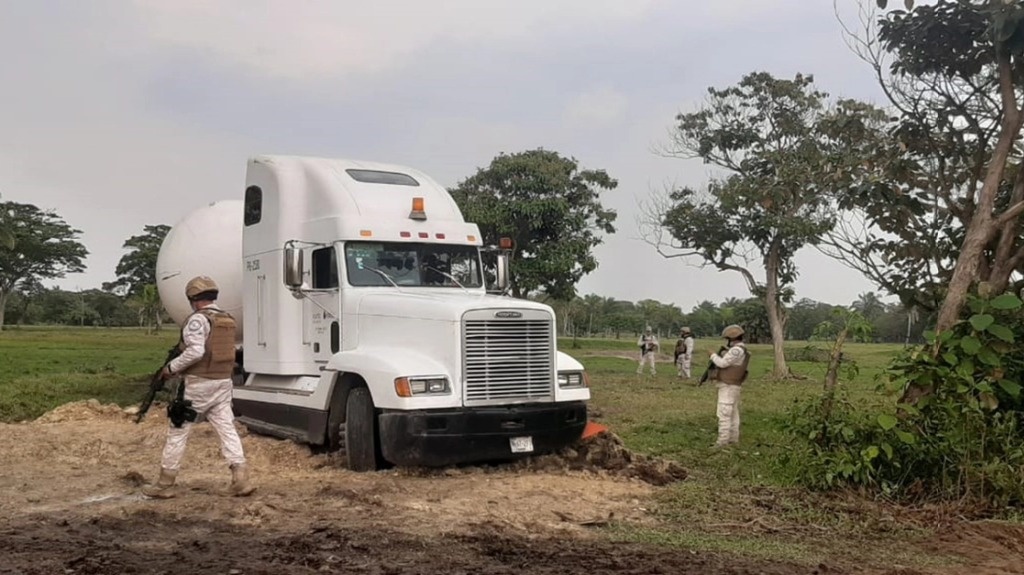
[599, 107]
[127, 113]
[312, 41]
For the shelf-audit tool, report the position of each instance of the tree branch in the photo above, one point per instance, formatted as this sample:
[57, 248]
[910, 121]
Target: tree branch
[1011, 213]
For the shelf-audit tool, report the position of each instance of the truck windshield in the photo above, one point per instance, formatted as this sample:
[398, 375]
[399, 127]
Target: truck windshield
[412, 264]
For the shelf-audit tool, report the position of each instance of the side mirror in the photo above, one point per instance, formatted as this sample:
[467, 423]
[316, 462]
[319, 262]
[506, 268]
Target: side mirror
[501, 279]
[293, 267]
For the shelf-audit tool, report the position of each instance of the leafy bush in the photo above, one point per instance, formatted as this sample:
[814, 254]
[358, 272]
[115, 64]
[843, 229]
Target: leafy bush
[961, 440]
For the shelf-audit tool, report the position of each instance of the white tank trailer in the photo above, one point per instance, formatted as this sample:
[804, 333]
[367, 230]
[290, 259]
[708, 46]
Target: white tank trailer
[364, 320]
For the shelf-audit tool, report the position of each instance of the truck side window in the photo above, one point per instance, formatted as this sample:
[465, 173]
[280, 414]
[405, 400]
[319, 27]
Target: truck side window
[253, 205]
[325, 268]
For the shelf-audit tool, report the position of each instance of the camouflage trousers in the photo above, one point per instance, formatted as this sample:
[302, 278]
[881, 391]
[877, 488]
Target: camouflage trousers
[683, 365]
[728, 413]
[646, 358]
[210, 398]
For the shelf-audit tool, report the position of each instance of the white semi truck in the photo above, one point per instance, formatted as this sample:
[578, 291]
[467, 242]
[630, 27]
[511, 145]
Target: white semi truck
[365, 323]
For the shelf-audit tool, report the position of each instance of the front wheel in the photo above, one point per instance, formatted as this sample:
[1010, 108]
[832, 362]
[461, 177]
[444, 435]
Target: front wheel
[360, 427]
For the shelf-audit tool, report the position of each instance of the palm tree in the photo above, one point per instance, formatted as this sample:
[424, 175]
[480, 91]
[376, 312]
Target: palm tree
[869, 305]
[149, 307]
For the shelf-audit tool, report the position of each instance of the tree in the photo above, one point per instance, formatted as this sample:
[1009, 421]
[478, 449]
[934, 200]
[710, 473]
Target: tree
[552, 211]
[20, 303]
[766, 136]
[149, 308]
[44, 247]
[805, 316]
[137, 268]
[849, 323]
[111, 310]
[868, 305]
[705, 320]
[752, 315]
[943, 198]
[6, 227]
[594, 306]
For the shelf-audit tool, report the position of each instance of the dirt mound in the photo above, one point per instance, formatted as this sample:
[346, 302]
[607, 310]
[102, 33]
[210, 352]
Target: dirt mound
[87, 410]
[994, 546]
[605, 452]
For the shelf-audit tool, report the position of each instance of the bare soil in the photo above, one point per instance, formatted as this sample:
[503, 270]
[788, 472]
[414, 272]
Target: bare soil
[70, 503]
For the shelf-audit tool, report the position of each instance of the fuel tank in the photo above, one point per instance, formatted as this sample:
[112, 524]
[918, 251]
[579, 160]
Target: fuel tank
[207, 241]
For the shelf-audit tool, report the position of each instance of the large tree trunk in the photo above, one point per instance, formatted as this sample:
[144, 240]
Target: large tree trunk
[1005, 256]
[980, 229]
[965, 272]
[776, 320]
[4, 294]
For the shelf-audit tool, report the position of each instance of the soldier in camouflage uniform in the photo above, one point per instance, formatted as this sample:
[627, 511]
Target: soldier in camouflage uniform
[730, 372]
[648, 344]
[207, 361]
[684, 352]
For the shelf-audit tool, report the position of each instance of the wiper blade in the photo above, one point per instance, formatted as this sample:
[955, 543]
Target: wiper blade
[384, 275]
[447, 275]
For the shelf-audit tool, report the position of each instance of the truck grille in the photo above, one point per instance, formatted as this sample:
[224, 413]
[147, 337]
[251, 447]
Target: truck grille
[508, 360]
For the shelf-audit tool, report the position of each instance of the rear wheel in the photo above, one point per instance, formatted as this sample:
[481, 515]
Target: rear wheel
[359, 432]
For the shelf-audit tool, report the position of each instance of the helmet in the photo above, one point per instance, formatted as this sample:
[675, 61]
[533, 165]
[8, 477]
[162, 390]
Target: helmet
[648, 329]
[732, 332]
[199, 285]
[685, 330]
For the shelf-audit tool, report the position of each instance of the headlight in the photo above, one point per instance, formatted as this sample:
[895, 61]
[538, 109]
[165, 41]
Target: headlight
[429, 385]
[572, 379]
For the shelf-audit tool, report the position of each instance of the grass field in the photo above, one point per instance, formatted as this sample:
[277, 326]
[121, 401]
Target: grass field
[41, 368]
[743, 500]
[739, 500]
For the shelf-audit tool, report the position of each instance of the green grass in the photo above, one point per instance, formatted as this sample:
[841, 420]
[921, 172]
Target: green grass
[738, 501]
[665, 416]
[41, 368]
[743, 500]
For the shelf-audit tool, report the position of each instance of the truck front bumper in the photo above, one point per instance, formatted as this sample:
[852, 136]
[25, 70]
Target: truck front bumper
[444, 437]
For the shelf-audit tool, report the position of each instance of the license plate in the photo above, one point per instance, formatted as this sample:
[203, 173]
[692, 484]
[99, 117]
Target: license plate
[521, 444]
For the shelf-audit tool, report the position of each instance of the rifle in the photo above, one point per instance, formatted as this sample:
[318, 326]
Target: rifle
[711, 366]
[156, 384]
[680, 343]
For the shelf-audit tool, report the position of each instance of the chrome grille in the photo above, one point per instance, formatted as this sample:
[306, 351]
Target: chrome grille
[508, 360]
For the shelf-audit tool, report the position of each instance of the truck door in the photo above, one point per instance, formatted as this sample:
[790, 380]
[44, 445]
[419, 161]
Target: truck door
[322, 307]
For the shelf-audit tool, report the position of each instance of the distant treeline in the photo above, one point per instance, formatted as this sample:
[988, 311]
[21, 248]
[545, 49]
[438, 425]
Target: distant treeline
[588, 316]
[597, 316]
[93, 307]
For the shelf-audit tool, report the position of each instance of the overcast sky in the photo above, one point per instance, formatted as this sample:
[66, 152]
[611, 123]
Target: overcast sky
[122, 113]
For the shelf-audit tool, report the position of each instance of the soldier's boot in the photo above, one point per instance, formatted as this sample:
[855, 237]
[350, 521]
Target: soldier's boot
[164, 488]
[240, 484]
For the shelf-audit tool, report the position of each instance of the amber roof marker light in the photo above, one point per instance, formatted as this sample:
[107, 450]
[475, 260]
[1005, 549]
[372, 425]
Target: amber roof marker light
[417, 212]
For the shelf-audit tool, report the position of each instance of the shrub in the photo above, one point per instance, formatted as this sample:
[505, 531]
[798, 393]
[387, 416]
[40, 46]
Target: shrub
[961, 440]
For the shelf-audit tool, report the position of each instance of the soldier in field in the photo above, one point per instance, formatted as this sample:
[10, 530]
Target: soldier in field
[648, 344]
[684, 352]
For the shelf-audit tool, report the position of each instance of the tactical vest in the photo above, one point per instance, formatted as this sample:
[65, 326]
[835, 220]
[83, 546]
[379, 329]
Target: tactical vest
[218, 361]
[735, 374]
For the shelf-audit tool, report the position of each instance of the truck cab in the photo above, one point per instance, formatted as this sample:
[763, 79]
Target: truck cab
[368, 326]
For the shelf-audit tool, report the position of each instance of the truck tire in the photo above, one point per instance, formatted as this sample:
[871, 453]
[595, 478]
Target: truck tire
[360, 427]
